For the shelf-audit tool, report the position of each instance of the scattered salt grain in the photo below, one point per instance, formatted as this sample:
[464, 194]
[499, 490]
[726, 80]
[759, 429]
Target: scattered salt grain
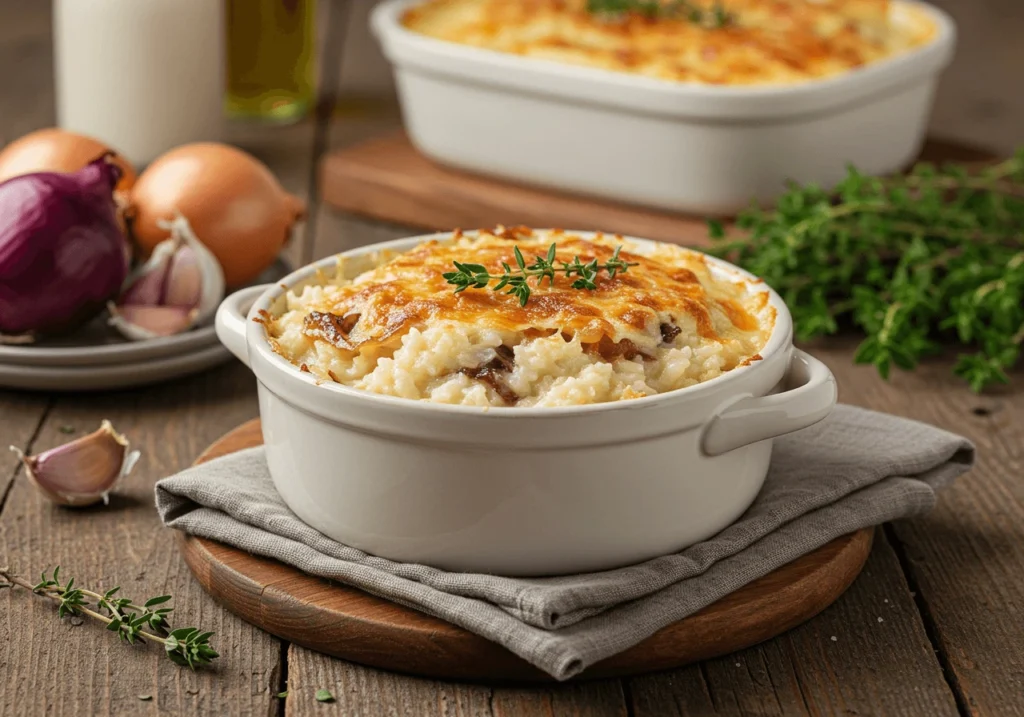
[881, 620]
[835, 639]
[739, 665]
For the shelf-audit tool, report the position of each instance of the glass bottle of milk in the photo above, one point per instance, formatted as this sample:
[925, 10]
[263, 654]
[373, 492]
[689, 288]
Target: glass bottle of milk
[143, 76]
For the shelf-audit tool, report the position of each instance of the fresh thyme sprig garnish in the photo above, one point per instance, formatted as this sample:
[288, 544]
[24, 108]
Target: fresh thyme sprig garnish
[714, 17]
[476, 276]
[912, 261]
[185, 646]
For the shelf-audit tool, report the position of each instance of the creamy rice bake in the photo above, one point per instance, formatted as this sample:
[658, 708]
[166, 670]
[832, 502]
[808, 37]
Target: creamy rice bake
[399, 327]
[733, 42]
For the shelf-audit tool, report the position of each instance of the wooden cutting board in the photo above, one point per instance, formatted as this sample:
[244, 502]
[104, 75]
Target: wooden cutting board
[386, 178]
[356, 626]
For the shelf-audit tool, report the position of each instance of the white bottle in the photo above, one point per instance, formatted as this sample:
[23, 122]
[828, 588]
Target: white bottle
[143, 76]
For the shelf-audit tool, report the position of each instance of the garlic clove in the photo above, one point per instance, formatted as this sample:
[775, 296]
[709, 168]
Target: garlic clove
[84, 471]
[185, 280]
[149, 283]
[147, 322]
[182, 278]
[211, 275]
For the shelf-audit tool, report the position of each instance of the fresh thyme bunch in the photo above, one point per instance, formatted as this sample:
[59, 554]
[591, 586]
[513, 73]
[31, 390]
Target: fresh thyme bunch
[912, 261]
[715, 17]
[186, 646]
[476, 276]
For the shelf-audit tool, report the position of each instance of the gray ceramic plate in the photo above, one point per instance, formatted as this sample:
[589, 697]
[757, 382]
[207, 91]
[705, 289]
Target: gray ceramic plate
[97, 344]
[103, 378]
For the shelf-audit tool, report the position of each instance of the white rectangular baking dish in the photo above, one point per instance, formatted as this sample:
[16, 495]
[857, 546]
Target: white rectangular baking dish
[670, 145]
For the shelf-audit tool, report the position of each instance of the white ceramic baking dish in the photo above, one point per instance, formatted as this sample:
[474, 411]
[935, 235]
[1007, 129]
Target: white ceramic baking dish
[671, 145]
[521, 491]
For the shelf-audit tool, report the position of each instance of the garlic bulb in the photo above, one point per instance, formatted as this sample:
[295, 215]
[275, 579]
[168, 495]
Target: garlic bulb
[179, 287]
[84, 471]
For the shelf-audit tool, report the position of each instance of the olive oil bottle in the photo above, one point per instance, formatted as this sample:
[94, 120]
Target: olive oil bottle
[270, 59]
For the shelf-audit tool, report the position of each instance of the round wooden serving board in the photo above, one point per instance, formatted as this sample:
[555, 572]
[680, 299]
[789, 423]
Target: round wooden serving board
[353, 625]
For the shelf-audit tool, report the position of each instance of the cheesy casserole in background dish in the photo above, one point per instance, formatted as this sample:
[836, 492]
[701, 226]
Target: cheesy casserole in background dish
[765, 42]
[398, 328]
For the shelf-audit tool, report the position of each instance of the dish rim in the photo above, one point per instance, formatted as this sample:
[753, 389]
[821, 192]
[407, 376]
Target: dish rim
[779, 340]
[386, 20]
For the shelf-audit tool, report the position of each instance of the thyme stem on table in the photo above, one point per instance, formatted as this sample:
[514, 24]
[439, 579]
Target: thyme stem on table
[913, 261]
[476, 276]
[185, 646]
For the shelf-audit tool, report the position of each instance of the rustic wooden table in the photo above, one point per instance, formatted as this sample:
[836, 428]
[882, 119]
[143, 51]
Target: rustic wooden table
[932, 627]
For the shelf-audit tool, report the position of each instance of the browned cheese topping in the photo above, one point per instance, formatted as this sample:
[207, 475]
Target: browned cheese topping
[767, 41]
[613, 319]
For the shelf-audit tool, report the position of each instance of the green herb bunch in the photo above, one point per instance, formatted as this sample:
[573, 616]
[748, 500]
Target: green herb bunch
[913, 261]
[476, 276]
[185, 646]
[714, 17]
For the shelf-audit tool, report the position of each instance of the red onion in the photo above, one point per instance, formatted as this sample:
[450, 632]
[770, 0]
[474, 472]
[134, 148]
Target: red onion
[63, 252]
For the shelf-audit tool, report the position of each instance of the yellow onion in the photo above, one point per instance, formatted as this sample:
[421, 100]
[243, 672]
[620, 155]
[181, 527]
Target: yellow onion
[230, 199]
[57, 150]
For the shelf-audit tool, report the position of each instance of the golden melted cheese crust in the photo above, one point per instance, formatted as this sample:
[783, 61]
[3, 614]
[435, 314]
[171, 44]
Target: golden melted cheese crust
[769, 41]
[381, 305]
[392, 324]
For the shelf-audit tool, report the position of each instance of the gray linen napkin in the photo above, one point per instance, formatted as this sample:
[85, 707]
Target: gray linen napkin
[855, 469]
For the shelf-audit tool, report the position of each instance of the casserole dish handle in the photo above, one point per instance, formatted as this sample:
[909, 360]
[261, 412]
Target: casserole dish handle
[230, 320]
[811, 397]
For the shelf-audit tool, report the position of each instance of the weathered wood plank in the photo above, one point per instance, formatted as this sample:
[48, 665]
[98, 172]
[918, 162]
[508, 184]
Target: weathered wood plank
[365, 691]
[26, 56]
[53, 666]
[362, 691]
[870, 667]
[335, 231]
[966, 559]
[587, 699]
[972, 103]
[20, 418]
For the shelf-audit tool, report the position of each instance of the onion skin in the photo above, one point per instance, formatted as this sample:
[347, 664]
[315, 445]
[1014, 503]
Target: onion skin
[57, 150]
[232, 201]
[63, 253]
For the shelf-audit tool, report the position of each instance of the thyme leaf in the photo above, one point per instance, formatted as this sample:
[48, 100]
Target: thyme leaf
[516, 281]
[324, 695]
[913, 262]
[714, 17]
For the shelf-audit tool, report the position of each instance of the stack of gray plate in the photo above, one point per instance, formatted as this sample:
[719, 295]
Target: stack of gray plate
[122, 364]
[97, 358]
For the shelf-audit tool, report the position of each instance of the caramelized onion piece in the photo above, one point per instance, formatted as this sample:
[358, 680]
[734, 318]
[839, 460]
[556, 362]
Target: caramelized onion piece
[669, 332]
[331, 328]
[610, 351]
[490, 373]
[505, 357]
